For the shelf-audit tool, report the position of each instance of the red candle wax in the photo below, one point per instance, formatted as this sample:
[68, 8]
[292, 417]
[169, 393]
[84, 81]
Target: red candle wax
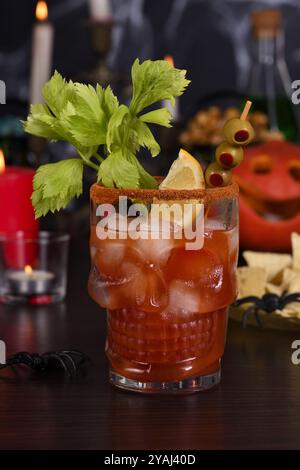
[17, 215]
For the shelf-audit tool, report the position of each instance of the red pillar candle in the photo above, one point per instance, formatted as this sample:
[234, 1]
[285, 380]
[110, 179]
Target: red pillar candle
[16, 212]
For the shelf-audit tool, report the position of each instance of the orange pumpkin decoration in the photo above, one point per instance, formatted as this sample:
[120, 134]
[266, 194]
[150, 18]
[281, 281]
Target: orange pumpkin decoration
[269, 180]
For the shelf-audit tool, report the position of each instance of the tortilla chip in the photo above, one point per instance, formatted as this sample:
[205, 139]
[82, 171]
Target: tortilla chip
[294, 307]
[288, 313]
[296, 251]
[274, 289]
[294, 285]
[277, 312]
[291, 310]
[288, 275]
[273, 263]
[251, 281]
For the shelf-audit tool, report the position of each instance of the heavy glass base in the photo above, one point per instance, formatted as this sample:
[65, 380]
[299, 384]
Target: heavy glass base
[195, 384]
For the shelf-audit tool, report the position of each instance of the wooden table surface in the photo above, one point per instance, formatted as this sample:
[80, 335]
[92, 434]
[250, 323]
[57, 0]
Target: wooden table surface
[257, 405]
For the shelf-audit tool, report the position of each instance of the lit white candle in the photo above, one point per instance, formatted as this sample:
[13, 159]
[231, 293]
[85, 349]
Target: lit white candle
[30, 281]
[42, 48]
[174, 110]
[100, 10]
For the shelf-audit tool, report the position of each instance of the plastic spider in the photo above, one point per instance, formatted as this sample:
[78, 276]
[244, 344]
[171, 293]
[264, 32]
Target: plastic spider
[268, 303]
[69, 361]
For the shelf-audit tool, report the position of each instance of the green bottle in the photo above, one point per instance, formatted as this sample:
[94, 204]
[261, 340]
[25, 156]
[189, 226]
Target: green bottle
[269, 84]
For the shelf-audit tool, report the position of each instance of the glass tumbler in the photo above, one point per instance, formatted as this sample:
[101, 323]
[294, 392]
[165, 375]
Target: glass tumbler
[33, 270]
[166, 303]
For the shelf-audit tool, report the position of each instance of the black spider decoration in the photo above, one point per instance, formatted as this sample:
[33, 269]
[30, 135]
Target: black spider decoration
[69, 361]
[268, 303]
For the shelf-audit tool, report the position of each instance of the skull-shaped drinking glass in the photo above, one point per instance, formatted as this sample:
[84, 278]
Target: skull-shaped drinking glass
[166, 298]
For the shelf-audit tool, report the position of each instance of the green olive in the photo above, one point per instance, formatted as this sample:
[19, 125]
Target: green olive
[238, 132]
[229, 156]
[216, 176]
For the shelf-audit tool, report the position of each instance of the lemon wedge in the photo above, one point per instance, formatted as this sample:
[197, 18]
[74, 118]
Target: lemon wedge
[185, 173]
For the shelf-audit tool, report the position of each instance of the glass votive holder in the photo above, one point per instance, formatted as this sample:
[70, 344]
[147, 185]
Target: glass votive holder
[33, 270]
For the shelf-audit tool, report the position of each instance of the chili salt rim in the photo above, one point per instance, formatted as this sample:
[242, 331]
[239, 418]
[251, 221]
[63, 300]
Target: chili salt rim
[102, 195]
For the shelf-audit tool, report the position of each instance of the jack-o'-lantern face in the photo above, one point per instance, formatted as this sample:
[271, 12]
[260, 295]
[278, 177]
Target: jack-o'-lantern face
[269, 180]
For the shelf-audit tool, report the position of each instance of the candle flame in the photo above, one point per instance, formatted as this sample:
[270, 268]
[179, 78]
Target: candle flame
[28, 269]
[169, 59]
[41, 11]
[2, 162]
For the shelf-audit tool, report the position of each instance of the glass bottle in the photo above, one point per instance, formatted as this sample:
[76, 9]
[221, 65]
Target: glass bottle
[269, 80]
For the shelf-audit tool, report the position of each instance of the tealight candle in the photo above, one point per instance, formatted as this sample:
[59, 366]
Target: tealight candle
[30, 282]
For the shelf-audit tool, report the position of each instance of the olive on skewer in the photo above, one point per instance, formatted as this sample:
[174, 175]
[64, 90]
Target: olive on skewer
[229, 156]
[216, 176]
[238, 132]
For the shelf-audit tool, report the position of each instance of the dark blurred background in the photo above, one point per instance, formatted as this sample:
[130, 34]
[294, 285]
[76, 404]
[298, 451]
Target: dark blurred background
[209, 38]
